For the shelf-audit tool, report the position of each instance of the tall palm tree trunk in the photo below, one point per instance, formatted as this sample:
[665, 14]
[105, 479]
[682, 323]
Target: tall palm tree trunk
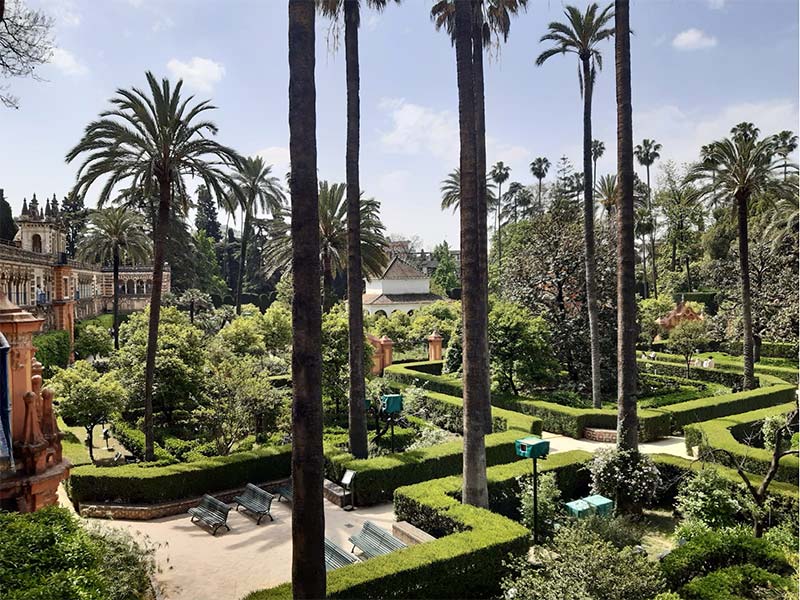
[355, 312]
[242, 258]
[116, 297]
[308, 517]
[327, 282]
[473, 296]
[588, 233]
[159, 250]
[482, 216]
[652, 235]
[747, 311]
[644, 266]
[627, 418]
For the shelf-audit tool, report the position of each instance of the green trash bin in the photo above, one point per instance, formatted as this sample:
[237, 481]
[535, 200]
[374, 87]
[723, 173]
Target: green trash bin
[392, 403]
[600, 505]
[579, 508]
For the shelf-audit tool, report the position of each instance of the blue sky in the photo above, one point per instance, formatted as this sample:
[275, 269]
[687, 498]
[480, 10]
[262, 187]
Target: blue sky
[699, 67]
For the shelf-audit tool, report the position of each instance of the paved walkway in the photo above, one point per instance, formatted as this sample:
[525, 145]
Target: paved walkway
[194, 565]
[670, 445]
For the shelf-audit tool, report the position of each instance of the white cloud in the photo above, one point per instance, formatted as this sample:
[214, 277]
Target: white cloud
[682, 133]
[716, 4]
[199, 73]
[162, 23]
[693, 39]
[418, 128]
[64, 12]
[65, 61]
[278, 157]
[372, 21]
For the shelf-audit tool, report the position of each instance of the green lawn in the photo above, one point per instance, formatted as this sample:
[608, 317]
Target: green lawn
[660, 525]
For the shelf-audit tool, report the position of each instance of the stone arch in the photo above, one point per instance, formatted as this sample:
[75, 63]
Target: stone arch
[140, 287]
[381, 313]
[36, 243]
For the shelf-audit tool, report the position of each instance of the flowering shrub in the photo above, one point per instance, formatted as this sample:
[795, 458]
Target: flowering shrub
[710, 498]
[626, 476]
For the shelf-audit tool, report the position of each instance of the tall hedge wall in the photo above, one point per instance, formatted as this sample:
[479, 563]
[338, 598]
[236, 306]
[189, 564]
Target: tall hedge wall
[466, 562]
[142, 484]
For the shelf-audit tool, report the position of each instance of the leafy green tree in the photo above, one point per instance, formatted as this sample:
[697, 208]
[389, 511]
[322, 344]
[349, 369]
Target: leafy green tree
[441, 316]
[519, 347]
[581, 35]
[333, 239]
[209, 277]
[238, 401]
[244, 336]
[179, 373]
[649, 311]
[445, 277]
[74, 215]
[94, 341]
[115, 235]
[710, 498]
[153, 140]
[739, 168]
[194, 301]
[686, 339]
[539, 168]
[276, 325]
[85, 397]
[335, 363]
[206, 219]
[255, 189]
[8, 228]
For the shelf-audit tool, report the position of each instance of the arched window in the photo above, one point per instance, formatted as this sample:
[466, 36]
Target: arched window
[140, 287]
[36, 243]
[131, 287]
[380, 313]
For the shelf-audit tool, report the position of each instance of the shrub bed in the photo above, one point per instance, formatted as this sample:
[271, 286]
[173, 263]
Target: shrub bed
[715, 550]
[768, 349]
[717, 435]
[144, 484]
[133, 440]
[466, 562]
[737, 582]
[728, 369]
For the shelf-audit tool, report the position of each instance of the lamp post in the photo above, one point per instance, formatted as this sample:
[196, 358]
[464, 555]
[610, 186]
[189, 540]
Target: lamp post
[535, 448]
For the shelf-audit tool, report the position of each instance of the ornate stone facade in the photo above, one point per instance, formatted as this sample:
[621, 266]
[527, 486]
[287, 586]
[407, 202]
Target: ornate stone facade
[35, 273]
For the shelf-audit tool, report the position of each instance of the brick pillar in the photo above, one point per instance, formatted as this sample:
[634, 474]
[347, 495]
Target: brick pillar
[377, 355]
[435, 346]
[64, 305]
[386, 350]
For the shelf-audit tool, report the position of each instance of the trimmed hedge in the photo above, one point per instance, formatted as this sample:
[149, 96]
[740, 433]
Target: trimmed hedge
[654, 423]
[728, 369]
[556, 418]
[52, 350]
[717, 435]
[715, 550]
[738, 581]
[768, 349]
[674, 365]
[378, 478]
[133, 439]
[142, 484]
[467, 562]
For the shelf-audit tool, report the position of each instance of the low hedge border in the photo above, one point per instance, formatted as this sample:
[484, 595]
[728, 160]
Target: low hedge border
[716, 434]
[143, 484]
[768, 349]
[467, 562]
[653, 423]
[134, 441]
[729, 364]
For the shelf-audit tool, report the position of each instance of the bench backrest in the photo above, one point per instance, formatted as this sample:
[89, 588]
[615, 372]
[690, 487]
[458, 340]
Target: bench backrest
[256, 493]
[385, 538]
[214, 505]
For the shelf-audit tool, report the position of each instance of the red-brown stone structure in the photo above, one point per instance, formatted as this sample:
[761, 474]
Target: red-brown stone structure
[31, 462]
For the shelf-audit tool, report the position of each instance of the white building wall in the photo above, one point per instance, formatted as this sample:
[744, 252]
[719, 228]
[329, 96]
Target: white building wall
[398, 286]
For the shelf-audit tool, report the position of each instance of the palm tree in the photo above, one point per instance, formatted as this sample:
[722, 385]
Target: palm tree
[352, 18]
[308, 516]
[451, 191]
[643, 227]
[740, 168]
[539, 168]
[581, 35]
[627, 418]
[499, 174]
[598, 149]
[153, 142]
[333, 233]
[606, 190]
[647, 153]
[115, 235]
[255, 189]
[787, 143]
[517, 202]
[784, 218]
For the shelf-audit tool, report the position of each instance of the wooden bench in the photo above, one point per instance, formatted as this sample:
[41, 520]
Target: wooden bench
[374, 541]
[212, 512]
[256, 500]
[284, 491]
[335, 557]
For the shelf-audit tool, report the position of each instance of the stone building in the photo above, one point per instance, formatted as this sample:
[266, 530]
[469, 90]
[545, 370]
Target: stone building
[35, 273]
[401, 287]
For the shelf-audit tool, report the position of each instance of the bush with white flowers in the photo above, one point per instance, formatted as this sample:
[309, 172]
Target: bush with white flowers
[626, 476]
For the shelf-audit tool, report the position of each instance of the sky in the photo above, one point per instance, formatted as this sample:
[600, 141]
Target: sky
[698, 68]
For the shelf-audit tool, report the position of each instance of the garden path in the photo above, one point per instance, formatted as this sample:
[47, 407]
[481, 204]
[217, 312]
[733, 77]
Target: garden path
[671, 445]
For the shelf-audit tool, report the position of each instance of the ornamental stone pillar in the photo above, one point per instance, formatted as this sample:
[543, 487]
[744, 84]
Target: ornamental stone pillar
[435, 346]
